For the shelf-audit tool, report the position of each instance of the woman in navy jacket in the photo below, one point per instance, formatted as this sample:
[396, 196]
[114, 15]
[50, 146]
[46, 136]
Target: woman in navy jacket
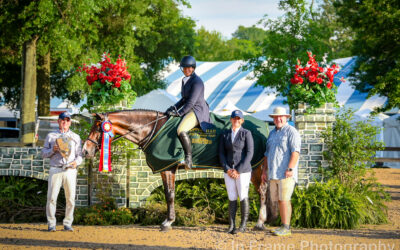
[235, 153]
[192, 107]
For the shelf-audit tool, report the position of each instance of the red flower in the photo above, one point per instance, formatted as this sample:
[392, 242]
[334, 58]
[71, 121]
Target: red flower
[329, 85]
[312, 78]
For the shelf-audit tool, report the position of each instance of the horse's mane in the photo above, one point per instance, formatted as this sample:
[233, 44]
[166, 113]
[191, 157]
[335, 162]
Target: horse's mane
[132, 110]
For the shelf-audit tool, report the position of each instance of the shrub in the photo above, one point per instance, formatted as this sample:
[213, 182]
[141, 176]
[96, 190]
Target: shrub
[334, 205]
[209, 195]
[121, 216]
[99, 214]
[24, 200]
[351, 148]
[351, 196]
[154, 213]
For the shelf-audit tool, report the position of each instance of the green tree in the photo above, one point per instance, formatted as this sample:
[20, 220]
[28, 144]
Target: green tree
[148, 34]
[288, 38]
[377, 46]
[57, 27]
[211, 46]
[341, 41]
[24, 25]
[254, 34]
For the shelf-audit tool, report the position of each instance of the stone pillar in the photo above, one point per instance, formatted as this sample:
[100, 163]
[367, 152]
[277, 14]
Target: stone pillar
[112, 184]
[310, 126]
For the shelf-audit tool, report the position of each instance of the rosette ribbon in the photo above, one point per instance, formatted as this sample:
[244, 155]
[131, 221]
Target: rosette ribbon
[105, 154]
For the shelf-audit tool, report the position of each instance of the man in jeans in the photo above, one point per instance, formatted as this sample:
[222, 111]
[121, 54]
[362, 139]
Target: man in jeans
[281, 160]
[63, 147]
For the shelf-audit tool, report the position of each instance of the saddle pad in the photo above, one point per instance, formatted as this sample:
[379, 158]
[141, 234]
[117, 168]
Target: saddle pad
[165, 152]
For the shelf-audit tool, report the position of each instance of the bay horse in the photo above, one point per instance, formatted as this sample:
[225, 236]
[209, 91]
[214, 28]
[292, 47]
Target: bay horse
[138, 126]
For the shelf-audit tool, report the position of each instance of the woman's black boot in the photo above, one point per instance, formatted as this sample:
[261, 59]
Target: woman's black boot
[232, 217]
[187, 148]
[244, 210]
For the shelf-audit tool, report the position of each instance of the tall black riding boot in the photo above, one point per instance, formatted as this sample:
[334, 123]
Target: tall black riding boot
[244, 210]
[232, 217]
[187, 148]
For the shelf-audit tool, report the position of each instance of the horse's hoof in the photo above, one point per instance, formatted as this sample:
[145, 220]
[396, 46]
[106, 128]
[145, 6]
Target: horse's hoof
[165, 228]
[259, 227]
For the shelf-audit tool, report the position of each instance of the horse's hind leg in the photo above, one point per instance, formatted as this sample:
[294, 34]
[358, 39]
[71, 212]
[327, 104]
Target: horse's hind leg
[262, 189]
[168, 178]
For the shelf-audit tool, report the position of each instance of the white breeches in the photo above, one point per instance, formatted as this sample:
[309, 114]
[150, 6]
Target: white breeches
[66, 178]
[188, 122]
[238, 187]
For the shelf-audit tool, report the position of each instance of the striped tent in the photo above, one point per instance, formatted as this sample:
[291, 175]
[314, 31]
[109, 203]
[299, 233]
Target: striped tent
[228, 87]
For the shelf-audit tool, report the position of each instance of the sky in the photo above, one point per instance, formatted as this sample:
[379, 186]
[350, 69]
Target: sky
[226, 15]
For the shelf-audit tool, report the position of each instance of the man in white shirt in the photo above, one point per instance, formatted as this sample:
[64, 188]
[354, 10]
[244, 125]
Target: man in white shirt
[63, 147]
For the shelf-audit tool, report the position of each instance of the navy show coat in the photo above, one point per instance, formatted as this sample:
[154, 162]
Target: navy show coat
[193, 98]
[236, 155]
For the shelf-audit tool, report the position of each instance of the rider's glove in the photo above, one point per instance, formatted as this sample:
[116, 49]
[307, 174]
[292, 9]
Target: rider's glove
[173, 113]
[170, 109]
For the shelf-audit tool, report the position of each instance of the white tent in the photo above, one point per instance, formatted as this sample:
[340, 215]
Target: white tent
[158, 100]
[7, 114]
[392, 139]
[227, 109]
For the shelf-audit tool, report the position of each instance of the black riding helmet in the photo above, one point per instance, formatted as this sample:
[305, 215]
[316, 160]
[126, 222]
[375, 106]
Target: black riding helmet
[188, 61]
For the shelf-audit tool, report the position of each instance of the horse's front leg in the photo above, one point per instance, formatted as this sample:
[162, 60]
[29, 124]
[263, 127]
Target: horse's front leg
[262, 189]
[168, 178]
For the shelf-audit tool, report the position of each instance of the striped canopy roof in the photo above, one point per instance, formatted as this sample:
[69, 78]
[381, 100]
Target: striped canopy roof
[228, 87]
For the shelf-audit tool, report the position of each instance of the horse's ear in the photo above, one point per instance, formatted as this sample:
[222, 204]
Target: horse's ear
[98, 116]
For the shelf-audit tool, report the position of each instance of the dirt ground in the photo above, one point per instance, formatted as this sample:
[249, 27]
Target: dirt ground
[35, 236]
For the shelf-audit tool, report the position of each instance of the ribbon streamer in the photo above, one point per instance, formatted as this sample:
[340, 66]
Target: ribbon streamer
[105, 154]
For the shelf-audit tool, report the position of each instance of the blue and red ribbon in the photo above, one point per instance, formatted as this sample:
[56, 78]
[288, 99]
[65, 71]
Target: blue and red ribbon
[105, 154]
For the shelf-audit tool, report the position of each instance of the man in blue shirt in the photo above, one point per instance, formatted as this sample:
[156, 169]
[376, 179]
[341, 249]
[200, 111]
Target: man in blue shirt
[281, 160]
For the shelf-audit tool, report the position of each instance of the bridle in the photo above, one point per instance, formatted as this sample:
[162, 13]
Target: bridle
[142, 143]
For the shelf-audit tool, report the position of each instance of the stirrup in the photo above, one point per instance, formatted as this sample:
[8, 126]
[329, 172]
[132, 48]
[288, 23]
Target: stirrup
[188, 166]
[185, 165]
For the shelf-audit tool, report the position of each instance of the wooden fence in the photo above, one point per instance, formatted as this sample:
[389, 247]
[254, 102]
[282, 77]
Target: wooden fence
[382, 160]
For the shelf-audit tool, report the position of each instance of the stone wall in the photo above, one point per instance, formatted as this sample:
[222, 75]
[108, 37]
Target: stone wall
[27, 162]
[310, 127]
[130, 182]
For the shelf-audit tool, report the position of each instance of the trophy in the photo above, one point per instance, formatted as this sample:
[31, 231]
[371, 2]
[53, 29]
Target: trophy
[64, 144]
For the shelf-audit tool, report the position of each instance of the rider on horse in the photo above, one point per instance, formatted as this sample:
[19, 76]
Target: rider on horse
[192, 107]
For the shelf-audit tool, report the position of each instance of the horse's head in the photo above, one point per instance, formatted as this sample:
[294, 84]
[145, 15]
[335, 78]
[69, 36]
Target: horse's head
[93, 142]
[137, 126]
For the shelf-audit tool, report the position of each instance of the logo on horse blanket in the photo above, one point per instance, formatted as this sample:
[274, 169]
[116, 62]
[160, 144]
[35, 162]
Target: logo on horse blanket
[165, 151]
